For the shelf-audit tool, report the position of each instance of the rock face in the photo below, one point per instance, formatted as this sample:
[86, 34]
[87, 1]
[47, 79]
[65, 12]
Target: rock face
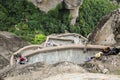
[3, 62]
[72, 5]
[59, 71]
[46, 5]
[8, 44]
[107, 64]
[107, 31]
[41, 70]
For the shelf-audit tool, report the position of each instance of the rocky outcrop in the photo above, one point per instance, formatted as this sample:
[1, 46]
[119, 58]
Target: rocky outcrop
[42, 69]
[72, 5]
[3, 62]
[46, 5]
[107, 31]
[106, 65]
[9, 43]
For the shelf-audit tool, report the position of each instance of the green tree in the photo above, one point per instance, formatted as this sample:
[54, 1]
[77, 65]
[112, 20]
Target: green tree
[91, 12]
[24, 19]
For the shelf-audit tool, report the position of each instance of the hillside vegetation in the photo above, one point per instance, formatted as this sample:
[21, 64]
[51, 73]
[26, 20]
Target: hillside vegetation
[27, 21]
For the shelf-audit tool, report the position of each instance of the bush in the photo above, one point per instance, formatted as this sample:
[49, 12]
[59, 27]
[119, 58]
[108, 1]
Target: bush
[24, 19]
[39, 38]
[91, 12]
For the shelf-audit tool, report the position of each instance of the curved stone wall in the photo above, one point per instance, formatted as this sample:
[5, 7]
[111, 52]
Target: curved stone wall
[73, 53]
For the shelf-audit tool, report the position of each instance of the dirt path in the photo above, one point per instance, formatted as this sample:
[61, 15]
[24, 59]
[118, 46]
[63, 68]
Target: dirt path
[83, 76]
[67, 76]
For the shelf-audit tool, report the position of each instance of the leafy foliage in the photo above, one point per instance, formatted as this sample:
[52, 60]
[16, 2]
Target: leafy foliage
[91, 12]
[39, 38]
[24, 19]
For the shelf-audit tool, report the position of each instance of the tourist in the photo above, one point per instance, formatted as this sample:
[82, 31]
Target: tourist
[21, 59]
[96, 56]
[114, 51]
[106, 51]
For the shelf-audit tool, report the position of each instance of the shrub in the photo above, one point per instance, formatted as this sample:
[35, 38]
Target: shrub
[39, 38]
[23, 15]
[91, 12]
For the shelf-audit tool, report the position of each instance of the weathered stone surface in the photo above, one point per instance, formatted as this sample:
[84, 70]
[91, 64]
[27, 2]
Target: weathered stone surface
[39, 1]
[74, 14]
[108, 30]
[46, 5]
[44, 70]
[72, 5]
[9, 43]
[105, 71]
[107, 64]
[3, 62]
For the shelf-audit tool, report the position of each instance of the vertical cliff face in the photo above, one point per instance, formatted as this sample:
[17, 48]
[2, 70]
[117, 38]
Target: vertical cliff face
[108, 30]
[72, 5]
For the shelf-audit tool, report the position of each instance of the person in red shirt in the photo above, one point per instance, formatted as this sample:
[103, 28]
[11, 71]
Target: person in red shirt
[21, 59]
